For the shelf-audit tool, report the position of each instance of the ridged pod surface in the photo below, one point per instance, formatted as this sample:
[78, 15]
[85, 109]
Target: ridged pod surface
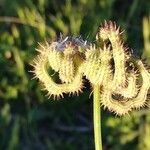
[96, 64]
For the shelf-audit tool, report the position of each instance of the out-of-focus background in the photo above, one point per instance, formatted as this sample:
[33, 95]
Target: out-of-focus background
[31, 121]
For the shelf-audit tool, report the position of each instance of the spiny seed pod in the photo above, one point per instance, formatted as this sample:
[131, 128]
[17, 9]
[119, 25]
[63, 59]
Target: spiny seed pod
[96, 64]
[63, 57]
[109, 31]
[123, 105]
[124, 80]
[126, 87]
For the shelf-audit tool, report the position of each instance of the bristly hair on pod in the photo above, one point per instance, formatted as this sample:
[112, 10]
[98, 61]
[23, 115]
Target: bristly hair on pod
[61, 56]
[109, 28]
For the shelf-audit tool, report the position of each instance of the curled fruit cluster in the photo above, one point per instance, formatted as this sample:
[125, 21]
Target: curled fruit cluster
[123, 79]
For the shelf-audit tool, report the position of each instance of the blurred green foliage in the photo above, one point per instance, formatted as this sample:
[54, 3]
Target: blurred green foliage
[28, 120]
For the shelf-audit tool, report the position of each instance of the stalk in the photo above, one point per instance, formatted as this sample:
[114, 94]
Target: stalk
[97, 118]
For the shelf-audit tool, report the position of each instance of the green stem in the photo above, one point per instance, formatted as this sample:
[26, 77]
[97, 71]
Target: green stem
[97, 118]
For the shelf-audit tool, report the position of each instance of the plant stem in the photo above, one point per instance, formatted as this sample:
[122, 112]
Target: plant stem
[97, 118]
